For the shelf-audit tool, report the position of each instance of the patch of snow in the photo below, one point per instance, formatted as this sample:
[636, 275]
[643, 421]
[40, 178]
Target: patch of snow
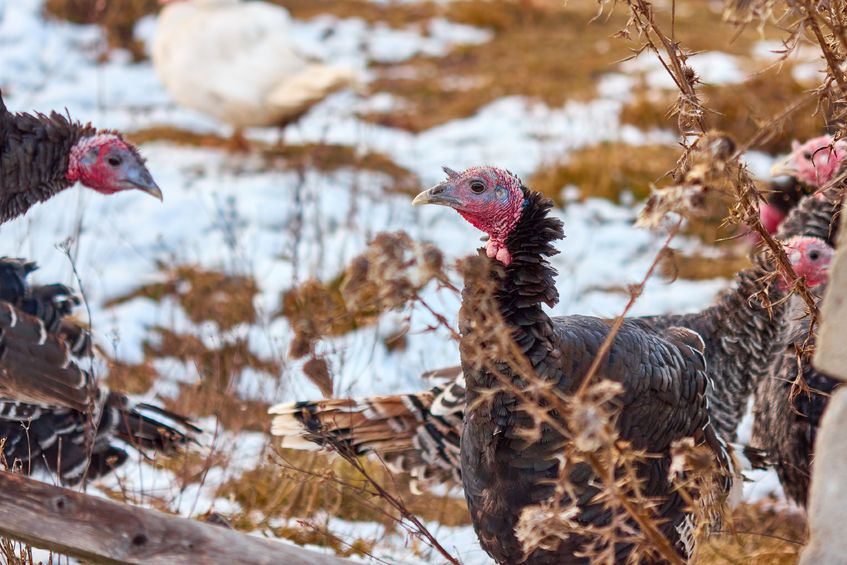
[713, 67]
[355, 42]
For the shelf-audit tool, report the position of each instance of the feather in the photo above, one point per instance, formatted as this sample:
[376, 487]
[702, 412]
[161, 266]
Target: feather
[49, 404]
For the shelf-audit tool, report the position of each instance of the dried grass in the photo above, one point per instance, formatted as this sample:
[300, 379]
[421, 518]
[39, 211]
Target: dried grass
[323, 157]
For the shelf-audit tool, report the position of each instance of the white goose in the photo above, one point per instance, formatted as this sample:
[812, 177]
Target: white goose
[233, 60]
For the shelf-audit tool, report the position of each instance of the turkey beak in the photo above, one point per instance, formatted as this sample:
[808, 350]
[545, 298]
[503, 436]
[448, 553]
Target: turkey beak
[136, 176]
[783, 168]
[442, 194]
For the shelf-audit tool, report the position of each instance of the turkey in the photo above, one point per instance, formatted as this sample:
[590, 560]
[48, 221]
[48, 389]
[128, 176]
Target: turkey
[42, 155]
[428, 452]
[419, 433]
[809, 167]
[235, 61]
[785, 425]
[743, 337]
[813, 163]
[49, 410]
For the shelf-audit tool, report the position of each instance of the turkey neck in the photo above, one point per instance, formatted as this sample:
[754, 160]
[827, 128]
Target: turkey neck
[815, 216]
[526, 283]
[34, 158]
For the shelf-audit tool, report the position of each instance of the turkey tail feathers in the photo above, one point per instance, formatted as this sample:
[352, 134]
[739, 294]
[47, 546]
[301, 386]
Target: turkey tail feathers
[150, 427]
[37, 367]
[417, 434]
[379, 424]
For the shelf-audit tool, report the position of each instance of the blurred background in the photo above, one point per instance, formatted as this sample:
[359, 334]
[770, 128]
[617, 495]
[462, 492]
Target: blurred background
[285, 136]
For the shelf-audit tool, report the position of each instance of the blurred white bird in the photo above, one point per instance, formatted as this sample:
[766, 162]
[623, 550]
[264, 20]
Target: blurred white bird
[233, 60]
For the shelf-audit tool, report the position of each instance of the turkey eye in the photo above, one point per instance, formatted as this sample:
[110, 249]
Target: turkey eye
[814, 255]
[477, 187]
[807, 155]
[114, 161]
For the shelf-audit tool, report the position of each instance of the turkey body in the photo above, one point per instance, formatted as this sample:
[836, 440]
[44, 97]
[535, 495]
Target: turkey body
[234, 61]
[785, 426]
[53, 417]
[664, 400]
[664, 383]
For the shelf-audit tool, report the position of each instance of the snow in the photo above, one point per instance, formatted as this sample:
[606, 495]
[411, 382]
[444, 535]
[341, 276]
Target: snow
[233, 212]
[353, 42]
[712, 67]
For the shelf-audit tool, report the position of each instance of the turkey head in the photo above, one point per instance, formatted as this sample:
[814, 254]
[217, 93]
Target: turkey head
[105, 162]
[491, 199]
[813, 163]
[810, 258]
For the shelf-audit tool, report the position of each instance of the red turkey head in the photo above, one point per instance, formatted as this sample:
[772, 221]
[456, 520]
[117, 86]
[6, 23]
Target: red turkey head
[815, 162]
[810, 258]
[106, 163]
[491, 199]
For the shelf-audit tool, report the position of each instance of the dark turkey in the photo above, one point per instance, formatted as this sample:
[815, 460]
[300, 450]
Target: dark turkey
[507, 462]
[418, 433]
[786, 418]
[54, 417]
[41, 155]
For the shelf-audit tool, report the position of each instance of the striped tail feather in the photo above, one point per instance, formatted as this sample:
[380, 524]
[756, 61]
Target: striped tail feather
[52, 416]
[37, 367]
[54, 438]
[417, 434]
[149, 427]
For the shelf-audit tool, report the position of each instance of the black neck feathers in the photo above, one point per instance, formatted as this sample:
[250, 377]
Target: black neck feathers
[34, 154]
[529, 280]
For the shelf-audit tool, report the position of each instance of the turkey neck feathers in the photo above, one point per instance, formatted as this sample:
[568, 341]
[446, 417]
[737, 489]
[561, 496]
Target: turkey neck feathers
[529, 280]
[815, 216]
[34, 158]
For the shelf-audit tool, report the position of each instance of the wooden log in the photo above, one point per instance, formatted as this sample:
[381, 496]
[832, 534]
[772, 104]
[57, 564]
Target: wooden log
[104, 531]
[830, 353]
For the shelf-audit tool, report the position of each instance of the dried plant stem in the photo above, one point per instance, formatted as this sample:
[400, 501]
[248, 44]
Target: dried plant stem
[419, 528]
[834, 68]
[648, 526]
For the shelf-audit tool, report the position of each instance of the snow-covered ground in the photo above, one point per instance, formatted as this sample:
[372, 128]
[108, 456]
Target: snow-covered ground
[229, 211]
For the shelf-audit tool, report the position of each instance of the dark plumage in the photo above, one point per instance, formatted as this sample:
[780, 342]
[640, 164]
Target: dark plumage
[785, 427]
[784, 193]
[34, 158]
[53, 415]
[663, 375]
[786, 418]
[41, 155]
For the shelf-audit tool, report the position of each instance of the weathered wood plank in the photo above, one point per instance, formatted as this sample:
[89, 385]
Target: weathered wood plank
[827, 511]
[103, 531]
[830, 352]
